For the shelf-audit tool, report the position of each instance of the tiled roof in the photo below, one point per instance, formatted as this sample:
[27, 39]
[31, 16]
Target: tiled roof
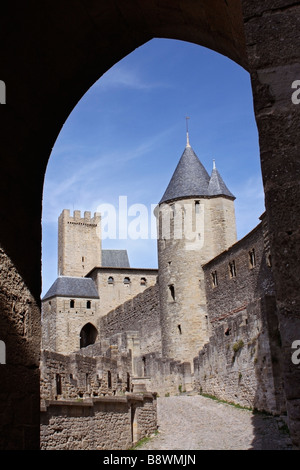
[217, 187]
[115, 259]
[66, 286]
[190, 179]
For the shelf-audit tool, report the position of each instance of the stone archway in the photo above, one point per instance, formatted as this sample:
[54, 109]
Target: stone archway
[51, 55]
[88, 335]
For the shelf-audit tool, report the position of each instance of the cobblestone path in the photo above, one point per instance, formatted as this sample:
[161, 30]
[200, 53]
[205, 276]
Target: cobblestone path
[200, 423]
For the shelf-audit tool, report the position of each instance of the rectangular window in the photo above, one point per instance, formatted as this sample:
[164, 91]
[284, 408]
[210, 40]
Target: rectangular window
[214, 276]
[252, 260]
[232, 269]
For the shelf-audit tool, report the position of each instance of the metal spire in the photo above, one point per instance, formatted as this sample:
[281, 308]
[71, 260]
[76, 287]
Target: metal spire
[187, 132]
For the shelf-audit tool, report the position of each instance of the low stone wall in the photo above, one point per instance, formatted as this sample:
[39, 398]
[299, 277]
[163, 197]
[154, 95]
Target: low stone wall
[107, 423]
[164, 376]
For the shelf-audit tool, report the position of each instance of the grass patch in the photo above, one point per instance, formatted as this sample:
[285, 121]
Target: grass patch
[236, 405]
[144, 441]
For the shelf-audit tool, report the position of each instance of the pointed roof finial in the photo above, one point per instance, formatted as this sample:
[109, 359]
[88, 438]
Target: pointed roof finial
[187, 132]
[214, 165]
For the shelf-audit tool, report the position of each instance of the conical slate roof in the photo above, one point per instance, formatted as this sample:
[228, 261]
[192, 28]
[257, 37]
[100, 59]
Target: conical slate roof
[216, 186]
[190, 178]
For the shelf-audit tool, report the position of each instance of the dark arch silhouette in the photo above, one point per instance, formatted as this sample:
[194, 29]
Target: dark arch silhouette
[88, 335]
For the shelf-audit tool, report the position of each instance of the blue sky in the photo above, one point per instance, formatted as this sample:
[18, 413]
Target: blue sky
[127, 133]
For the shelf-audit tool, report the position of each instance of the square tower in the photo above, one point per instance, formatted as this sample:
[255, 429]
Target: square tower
[79, 243]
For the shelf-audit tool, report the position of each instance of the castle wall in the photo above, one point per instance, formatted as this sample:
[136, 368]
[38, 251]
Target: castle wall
[242, 362]
[118, 285]
[84, 375]
[79, 243]
[107, 423]
[140, 315]
[62, 324]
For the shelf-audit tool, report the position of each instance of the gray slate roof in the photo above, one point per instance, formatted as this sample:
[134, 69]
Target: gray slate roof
[217, 186]
[115, 259]
[190, 179]
[66, 286]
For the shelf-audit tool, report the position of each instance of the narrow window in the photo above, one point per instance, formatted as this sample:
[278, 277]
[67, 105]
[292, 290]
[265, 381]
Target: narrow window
[197, 207]
[110, 280]
[252, 260]
[128, 383]
[82, 259]
[179, 329]
[143, 281]
[88, 304]
[172, 292]
[58, 384]
[72, 303]
[214, 276]
[232, 269]
[269, 261]
[109, 379]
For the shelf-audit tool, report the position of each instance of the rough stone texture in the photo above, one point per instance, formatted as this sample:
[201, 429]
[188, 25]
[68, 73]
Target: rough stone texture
[108, 423]
[85, 374]
[114, 288]
[51, 55]
[242, 361]
[62, 325]
[20, 331]
[273, 37]
[191, 232]
[140, 315]
[79, 243]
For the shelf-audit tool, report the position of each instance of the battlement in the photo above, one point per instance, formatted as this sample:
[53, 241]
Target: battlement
[77, 219]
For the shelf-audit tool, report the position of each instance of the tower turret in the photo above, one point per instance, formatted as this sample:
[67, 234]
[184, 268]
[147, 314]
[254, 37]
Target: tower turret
[196, 222]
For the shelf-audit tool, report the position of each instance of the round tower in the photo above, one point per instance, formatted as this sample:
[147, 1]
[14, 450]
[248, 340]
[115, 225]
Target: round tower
[196, 221]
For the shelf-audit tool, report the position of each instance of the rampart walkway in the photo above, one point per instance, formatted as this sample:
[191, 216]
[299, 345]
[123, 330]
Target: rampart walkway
[200, 423]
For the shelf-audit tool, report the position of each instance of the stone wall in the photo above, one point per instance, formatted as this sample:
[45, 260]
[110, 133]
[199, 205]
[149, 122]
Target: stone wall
[107, 423]
[82, 375]
[19, 374]
[242, 361]
[118, 285]
[61, 325]
[79, 243]
[191, 232]
[140, 315]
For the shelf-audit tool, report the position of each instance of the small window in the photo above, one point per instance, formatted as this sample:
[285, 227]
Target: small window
[214, 277]
[172, 292]
[109, 383]
[252, 260]
[179, 329]
[110, 280]
[72, 303]
[232, 269]
[88, 304]
[126, 280]
[58, 384]
[82, 259]
[143, 281]
[197, 207]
